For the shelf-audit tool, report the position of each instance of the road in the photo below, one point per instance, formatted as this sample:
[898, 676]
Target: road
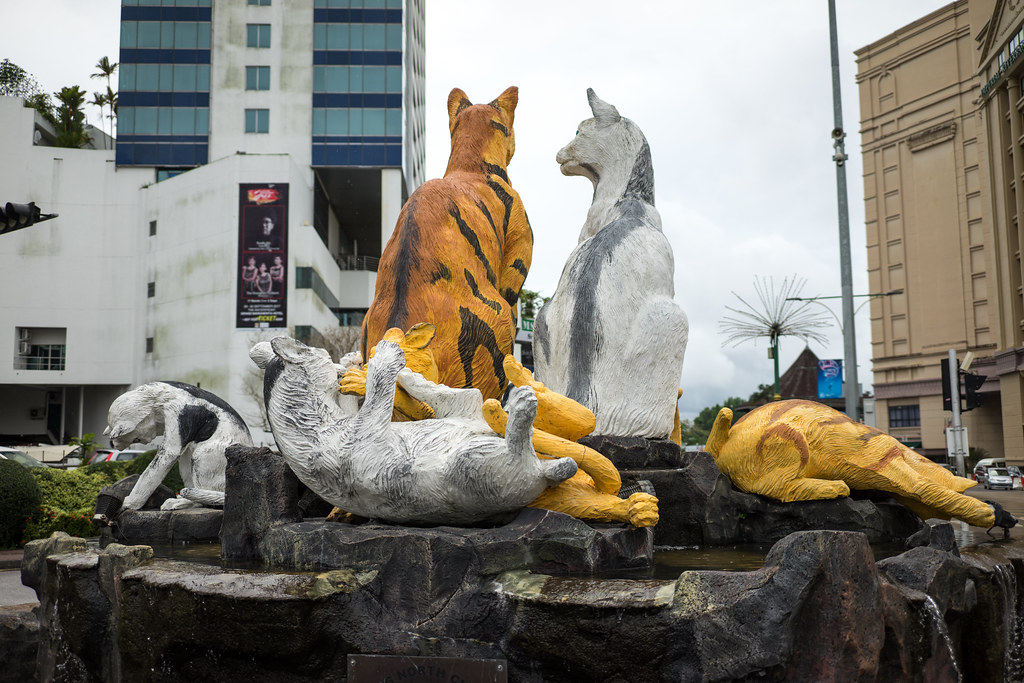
[1013, 501]
[11, 590]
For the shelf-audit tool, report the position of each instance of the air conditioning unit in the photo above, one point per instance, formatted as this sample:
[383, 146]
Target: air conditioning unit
[24, 348]
[24, 334]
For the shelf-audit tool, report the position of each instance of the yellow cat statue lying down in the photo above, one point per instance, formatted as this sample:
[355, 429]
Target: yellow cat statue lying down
[801, 450]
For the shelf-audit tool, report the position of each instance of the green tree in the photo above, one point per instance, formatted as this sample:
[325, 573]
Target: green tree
[530, 302]
[99, 100]
[88, 443]
[15, 81]
[70, 118]
[105, 69]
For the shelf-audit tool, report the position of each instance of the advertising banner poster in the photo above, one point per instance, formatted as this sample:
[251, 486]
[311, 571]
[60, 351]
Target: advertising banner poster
[262, 255]
[830, 379]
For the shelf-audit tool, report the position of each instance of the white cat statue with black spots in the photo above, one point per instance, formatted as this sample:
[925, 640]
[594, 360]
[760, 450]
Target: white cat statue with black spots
[197, 426]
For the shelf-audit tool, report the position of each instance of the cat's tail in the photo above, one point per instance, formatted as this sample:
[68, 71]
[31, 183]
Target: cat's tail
[719, 432]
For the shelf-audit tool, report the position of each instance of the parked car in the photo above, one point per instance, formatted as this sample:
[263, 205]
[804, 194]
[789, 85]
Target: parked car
[102, 455]
[979, 473]
[128, 454]
[1015, 473]
[20, 457]
[998, 478]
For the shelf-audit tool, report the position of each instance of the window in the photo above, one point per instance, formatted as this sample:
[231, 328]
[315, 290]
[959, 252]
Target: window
[152, 228]
[257, 120]
[149, 345]
[905, 416]
[257, 35]
[257, 78]
[40, 348]
[151, 290]
[263, 3]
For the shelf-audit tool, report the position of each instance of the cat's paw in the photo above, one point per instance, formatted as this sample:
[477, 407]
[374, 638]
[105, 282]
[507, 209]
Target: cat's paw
[643, 510]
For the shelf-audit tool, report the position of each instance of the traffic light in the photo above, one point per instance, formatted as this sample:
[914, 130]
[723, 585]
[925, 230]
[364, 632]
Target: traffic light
[970, 398]
[17, 216]
[972, 383]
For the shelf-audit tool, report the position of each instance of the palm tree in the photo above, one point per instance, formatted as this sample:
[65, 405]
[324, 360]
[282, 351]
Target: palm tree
[112, 103]
[104, 69]
[778, 315]
[100, 100]
[70, 118]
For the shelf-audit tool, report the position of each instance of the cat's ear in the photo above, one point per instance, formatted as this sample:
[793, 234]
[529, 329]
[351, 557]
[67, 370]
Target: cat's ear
[603, 112]
[457, 101]
[507, 102]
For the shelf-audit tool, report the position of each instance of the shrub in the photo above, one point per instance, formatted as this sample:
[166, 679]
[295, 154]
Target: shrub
[68, 497]
[68, 501]
[172, 480]
[19, 497]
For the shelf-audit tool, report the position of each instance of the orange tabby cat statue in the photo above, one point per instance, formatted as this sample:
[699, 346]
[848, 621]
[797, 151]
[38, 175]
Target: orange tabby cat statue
[802, 450]
[460, 252]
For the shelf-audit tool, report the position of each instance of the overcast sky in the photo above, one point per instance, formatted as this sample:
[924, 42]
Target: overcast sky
[735, 98]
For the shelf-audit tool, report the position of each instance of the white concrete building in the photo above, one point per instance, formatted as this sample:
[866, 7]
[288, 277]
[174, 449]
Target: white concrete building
[307, 114]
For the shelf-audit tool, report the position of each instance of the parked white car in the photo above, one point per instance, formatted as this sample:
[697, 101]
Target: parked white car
[20, 457]
[998, 478]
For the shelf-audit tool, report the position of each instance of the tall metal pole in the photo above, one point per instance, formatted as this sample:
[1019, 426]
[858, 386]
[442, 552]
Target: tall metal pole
[954, 396]
[850, 390]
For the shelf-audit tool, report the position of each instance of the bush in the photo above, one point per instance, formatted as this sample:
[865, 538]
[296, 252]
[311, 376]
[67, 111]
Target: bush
[19, 497]
[68, 501]
[68, 497]
[172, 480]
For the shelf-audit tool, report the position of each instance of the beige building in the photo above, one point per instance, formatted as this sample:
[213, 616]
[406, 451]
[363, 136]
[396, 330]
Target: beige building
[938, 194]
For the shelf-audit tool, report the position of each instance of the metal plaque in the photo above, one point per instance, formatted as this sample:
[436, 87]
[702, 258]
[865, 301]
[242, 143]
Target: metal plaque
[398, 669]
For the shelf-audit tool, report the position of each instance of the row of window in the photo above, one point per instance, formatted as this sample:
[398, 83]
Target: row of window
[357, 36]
[196, 35]
[357, 121]
[359, 4]
[196, 121]
[164, 77]
[357, 79]
[163, 121]
[196, 78]
[170, 3]
[165, 34]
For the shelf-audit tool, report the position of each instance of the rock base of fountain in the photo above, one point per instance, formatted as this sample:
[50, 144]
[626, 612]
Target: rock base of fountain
[263, 523]
[821, 608]
[191, 525]
[699, 506]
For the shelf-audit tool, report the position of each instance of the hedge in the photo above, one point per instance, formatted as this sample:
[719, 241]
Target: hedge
[20, 496]
[69, 496]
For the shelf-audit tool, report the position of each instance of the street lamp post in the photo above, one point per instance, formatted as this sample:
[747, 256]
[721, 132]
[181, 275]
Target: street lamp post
[850, 372]
[845, 269]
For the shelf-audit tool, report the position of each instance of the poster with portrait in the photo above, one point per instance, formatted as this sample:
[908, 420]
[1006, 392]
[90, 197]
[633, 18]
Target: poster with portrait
[262, 255]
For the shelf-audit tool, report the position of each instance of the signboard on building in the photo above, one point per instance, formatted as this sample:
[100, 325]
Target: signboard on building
[262, 255]
[830, 379]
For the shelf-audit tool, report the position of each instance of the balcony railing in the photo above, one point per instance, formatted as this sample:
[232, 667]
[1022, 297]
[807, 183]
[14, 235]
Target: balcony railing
[352, 262]
[41, 357]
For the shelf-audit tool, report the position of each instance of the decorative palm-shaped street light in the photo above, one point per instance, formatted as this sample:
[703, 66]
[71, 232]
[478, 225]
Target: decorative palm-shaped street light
[780, 314]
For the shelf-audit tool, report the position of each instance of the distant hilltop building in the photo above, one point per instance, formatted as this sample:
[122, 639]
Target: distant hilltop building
[942, 121]
[263, 153]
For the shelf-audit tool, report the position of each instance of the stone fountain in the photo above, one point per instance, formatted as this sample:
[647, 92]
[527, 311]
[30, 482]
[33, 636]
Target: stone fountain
[501, 592]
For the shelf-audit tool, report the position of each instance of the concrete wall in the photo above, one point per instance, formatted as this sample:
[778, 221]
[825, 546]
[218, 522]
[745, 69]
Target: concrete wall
[291, 79]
